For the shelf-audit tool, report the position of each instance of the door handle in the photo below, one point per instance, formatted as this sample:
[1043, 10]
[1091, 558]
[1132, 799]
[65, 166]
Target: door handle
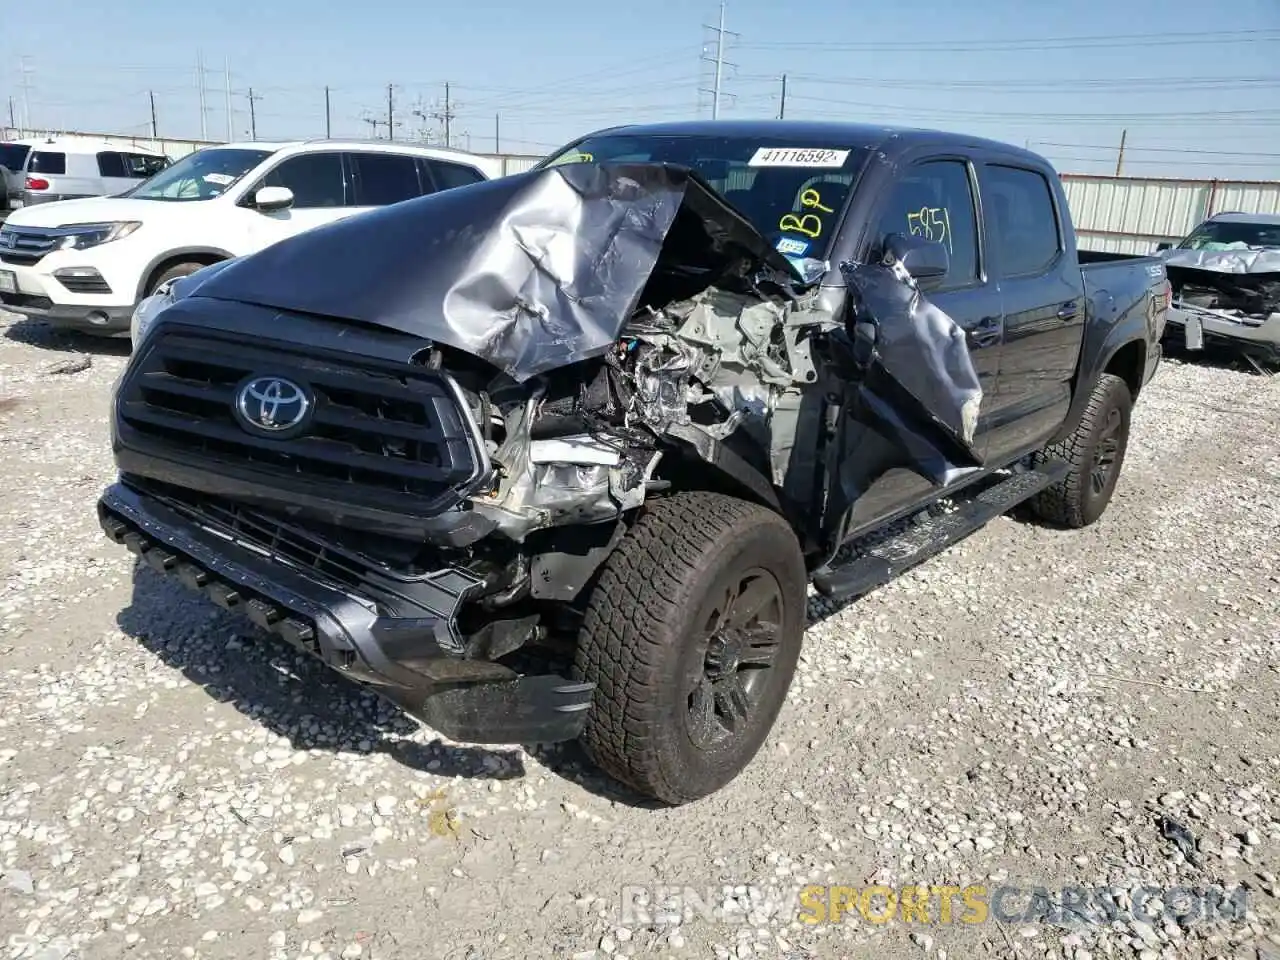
[1068, 311]
[986, 332]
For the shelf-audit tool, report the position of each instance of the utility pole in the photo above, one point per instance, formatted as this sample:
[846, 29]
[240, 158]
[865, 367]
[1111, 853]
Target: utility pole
[1120, 156]
[391, 112]
[497, 141]
[327, 131]
[26, 93]
[253, 116]
[231, 135]
[13, 124]
[719, 63]
[204, 125]
[715, 103]
[446, 116]
[154, 130]
[782, 109]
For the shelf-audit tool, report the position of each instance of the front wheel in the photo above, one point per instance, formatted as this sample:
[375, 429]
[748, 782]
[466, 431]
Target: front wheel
[1094, 452]
[691, 636]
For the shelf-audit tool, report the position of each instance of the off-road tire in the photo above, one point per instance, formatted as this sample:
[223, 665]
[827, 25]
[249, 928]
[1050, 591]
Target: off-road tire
[1073, 501]
[640, 636]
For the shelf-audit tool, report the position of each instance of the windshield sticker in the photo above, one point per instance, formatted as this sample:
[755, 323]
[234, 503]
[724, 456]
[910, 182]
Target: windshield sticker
[798, 157]
[576, 156]
[219, 179]
[810, 224]
[791, 247]
[931, 223]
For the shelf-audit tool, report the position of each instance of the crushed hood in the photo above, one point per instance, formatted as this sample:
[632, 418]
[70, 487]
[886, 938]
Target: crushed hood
[529, 272]
[1231, 260]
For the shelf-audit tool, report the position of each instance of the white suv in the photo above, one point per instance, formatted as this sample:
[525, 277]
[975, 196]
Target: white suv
[84, 264]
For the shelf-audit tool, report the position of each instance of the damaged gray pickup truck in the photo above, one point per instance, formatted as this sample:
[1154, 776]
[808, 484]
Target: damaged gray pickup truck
[558, 455]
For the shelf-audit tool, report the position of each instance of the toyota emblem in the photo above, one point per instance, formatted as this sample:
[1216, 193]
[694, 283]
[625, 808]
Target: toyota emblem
[272, 405]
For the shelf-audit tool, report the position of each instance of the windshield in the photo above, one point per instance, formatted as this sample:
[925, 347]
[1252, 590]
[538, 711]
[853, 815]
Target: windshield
[199, 176]
[1223, 235]
[12, 155]
[793, 193]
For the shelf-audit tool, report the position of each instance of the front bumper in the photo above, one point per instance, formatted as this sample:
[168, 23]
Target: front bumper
[417, 663]
[104, 321]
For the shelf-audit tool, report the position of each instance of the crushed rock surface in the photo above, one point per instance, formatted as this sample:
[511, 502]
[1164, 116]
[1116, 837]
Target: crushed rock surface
[1033, 708]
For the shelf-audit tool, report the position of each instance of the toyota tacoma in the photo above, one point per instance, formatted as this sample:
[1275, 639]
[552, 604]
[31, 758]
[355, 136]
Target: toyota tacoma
[558, 455]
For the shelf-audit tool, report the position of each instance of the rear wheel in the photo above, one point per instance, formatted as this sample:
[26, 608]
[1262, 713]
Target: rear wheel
[691, 636]
[1095, 453]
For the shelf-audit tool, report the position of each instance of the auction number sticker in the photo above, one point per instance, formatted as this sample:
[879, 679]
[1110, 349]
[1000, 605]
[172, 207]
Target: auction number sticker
[798, 157]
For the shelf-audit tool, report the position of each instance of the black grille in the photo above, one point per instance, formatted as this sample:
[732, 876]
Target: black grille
[342, 568]
[393, 434]
[29, 300]
[85, 284]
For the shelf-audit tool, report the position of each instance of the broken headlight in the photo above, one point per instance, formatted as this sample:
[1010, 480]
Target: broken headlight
[575, 477]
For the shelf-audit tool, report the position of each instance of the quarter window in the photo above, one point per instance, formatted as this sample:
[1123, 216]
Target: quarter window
[448, 175]
[111, 165]
[934, 201]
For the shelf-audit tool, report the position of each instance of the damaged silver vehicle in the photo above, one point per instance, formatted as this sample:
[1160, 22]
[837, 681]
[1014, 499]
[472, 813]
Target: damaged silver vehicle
[1226, 287]
[558, 455]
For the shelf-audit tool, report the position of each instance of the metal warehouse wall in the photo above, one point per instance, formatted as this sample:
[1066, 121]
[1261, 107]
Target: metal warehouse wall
[1133, 214]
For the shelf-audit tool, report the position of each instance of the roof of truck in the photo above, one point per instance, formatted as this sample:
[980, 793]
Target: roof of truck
[822, 133]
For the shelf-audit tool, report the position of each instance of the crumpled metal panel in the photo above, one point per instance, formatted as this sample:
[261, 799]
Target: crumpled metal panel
[529, 272]
[1245, 260]
[920, 386]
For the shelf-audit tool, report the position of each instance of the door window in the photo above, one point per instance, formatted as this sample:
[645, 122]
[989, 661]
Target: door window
[140, 166]
[934, 200]
[383, 178]
[448, 175]
[1020, 205]
[316, 180]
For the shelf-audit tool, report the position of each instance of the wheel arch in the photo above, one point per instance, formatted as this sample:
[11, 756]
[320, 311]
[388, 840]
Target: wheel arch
[205, 256]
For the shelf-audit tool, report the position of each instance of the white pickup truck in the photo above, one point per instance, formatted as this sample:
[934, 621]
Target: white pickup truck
[85, 264]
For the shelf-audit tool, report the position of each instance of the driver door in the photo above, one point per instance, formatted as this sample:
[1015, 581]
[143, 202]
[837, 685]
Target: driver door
[321, 194]
[935, 199]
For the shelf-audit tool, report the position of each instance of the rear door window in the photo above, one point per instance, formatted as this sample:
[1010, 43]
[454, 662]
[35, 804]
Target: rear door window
[1019, 203]
[47, 162]
[383, 178]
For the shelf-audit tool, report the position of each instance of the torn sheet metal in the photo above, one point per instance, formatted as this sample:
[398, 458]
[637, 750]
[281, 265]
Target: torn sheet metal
[919, 383]
[1229, 296]
[529, 272]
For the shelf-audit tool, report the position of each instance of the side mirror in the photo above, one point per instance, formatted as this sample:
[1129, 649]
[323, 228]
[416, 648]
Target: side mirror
[1163, 245]
[923, 259]
[269, 199]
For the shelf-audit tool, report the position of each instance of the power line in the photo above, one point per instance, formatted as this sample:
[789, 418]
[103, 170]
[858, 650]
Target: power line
[1031, 43]
[1187, 150]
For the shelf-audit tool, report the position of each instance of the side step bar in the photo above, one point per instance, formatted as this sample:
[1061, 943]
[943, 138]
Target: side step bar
[890, 557]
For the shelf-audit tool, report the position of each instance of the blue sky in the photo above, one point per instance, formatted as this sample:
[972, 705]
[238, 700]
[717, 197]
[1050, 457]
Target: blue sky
[1197, 88]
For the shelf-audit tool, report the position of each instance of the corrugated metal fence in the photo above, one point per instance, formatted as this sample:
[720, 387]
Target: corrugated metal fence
[1133, 214]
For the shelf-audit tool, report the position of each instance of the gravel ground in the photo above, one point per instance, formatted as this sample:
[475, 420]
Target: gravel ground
[1035, 708]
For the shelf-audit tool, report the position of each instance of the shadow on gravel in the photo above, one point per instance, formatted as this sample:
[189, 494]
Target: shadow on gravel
[37, 333]
[287, 692]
